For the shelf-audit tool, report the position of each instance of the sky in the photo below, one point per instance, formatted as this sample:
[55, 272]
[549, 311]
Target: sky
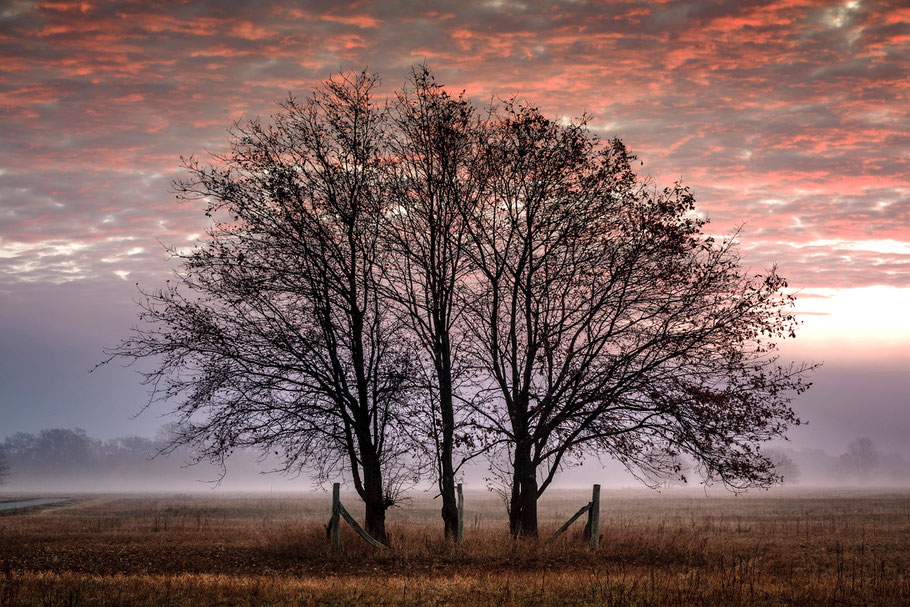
[788, 119]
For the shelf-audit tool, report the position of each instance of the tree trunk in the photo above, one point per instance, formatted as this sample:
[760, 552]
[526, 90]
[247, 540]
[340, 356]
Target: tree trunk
[523, 505]
[449, 503]
[447, 468]
[373, 500]
[374, 520]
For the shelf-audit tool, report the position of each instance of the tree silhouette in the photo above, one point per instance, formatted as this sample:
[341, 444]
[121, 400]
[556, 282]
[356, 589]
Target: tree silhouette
[4, 466]
[276, 334]
[860, 459]
[434, 142]
[784, 466]
[606, 322]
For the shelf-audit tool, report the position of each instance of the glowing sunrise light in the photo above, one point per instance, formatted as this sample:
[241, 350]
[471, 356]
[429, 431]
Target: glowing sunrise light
[861, 318]
[839, 15]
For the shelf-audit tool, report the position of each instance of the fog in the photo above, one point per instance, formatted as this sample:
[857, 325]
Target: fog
[55, 461]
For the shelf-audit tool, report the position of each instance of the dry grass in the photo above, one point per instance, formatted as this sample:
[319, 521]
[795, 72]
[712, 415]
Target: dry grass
[784, 548]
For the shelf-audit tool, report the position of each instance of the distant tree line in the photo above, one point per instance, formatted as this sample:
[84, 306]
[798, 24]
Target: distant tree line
[391, 289]
[861, 463]
[69, 459]
[58, 452]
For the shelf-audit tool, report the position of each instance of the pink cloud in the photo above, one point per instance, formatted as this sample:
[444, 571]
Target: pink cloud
[361, 21]
[781, 100]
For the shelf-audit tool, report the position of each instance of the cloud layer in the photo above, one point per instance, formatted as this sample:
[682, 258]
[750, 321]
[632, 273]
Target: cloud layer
[788, 116]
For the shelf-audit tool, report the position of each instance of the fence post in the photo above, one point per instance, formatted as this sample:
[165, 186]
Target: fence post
[336, 513]
[593, 525]
[459, 533]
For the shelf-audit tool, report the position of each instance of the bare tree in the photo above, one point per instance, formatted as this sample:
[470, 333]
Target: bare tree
[860, 459]
[784, 466]
[434, 142]
[4, 466]
[276, 334]
[605, 321]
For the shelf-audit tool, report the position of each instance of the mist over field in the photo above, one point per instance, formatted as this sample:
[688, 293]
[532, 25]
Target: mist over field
[72, 460]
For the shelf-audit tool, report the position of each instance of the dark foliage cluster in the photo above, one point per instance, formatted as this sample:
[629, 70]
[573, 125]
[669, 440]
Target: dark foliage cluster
[391, 289]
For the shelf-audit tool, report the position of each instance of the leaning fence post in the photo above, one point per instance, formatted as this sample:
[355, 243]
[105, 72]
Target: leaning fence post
[593, 525]
[568, 523]
[459, 533]
[336, 513]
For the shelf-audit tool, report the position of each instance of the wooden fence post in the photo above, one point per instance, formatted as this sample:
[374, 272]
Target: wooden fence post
[459, 533]
[593, 526]
[336, 513]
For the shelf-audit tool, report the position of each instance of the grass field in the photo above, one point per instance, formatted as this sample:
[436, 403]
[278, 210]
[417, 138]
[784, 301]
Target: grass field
[681, 548]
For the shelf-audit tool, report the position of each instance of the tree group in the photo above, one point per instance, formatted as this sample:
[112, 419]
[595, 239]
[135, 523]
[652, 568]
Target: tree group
[388, 289]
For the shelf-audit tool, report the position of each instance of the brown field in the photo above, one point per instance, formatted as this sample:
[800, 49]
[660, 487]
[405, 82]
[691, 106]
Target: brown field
[684, 548]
